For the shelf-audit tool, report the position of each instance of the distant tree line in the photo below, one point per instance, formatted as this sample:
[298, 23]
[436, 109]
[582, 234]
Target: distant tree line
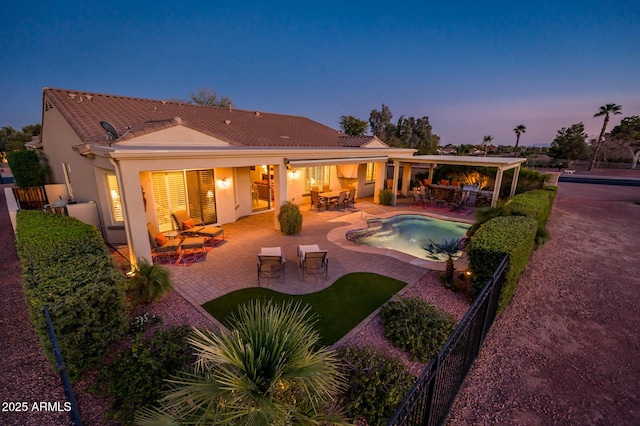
[406, 132]
[13, 140]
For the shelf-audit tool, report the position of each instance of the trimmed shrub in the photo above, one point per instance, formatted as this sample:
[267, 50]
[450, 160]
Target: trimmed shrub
[386, 197]
[535, 204]
[377, 384]
[290, 219]
[136, 378]
[506, 235]
[26, 168]
[416, 326]
[67, 268]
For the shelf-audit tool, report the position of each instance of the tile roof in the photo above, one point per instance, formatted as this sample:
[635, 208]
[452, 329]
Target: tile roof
[137, 116]
[357, 141]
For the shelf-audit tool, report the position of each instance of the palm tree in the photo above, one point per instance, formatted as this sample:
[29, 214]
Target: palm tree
[485, 142]
[605, 110]
[449, 249]
[519, 129]
[150, 282]
[265, 371]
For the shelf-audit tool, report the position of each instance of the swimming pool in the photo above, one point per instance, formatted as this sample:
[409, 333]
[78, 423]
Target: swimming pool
[406, 233]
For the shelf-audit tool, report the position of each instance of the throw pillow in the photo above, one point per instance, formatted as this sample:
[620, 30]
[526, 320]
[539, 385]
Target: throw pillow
[161, 239]
[188, 224]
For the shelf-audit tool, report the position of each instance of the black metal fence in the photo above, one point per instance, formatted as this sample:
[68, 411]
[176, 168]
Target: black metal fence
[430, 399]
[66, 384]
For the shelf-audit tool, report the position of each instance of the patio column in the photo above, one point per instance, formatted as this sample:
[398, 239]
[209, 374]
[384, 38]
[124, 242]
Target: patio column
[133, 209]
[406, 178]
[496, 187]
[280, 191]
[381, 174]
[396, 173]
[514, 181]
[432, 169]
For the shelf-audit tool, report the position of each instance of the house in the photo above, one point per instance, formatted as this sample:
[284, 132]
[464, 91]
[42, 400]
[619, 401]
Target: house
[141, 159]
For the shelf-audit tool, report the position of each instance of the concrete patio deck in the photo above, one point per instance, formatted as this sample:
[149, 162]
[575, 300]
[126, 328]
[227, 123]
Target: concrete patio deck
[232, 265]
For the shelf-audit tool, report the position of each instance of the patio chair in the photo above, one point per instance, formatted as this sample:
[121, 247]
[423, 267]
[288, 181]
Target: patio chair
[427, 197]
[340, 201]
[190, 227]
[313, 260]
[163, 249]
[351, 199]
[417, 197]
[460, 204]
[271, 263]
[315, 200]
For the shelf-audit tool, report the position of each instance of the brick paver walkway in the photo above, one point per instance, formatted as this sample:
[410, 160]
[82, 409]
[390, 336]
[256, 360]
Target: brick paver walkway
[232, 265]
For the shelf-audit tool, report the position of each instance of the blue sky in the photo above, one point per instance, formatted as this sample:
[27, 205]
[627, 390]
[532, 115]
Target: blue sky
[474, 68]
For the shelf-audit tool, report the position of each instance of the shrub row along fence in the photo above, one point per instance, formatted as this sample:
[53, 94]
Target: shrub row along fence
[430, 399]
[66, 383]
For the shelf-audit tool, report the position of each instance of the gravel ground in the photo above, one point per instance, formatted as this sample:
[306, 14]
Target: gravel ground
[428, 289]
[567, 348]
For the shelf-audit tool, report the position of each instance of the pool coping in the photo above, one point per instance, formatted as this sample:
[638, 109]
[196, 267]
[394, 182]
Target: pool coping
[337, 237]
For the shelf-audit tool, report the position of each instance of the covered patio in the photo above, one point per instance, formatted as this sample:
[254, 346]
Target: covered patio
[232, 266]
[501, 163]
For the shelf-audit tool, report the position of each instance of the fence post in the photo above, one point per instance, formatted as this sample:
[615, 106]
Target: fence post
[66, 383]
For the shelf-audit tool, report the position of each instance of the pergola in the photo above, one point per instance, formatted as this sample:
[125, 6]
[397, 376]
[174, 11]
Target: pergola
[502, 163]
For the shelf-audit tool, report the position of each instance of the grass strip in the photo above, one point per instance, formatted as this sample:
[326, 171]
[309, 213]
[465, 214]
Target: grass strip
[338, 308]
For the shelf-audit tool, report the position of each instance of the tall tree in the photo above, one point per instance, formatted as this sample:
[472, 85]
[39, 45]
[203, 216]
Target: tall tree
[606, 110]
[486, 140]
[570, 144]
[627, 134]
[519, 129]
[209, 97]
[353, 126]
[380, 123]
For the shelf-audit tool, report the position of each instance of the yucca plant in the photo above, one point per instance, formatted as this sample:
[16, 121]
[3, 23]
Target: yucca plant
[150, 282]
[265, 371]
[448, 249]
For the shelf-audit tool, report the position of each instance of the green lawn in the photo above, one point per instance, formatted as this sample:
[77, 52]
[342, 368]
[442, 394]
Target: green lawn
[339, 308]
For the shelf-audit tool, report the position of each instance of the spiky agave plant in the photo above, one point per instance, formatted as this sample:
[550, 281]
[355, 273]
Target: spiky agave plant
[448, 249]
[150, 282]
[265, 371]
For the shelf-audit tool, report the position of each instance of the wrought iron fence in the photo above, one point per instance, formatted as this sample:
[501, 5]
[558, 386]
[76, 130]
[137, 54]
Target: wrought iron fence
[66, 384]
[430, 399]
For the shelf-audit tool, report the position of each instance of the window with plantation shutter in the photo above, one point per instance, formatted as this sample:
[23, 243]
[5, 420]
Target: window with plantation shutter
[169, 195]
[114, 198]
[202, 200]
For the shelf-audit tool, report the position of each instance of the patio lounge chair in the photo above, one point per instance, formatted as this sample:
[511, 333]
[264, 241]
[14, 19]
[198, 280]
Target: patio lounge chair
[313, 260]
[271, 263]
[190, 227]
[163, 249]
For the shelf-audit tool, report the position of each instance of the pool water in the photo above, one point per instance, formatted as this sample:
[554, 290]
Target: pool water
[407, 233]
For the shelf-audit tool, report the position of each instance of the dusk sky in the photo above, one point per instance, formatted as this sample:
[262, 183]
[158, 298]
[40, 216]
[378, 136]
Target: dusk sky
[473, 67]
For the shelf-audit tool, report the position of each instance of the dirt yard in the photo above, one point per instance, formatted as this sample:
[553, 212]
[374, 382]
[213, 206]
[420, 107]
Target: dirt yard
[567, 348]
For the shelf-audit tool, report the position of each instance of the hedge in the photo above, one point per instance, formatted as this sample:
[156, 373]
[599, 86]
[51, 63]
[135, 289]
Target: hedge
[67, 268]
[535, 204]
[505, 235]
[26, 168]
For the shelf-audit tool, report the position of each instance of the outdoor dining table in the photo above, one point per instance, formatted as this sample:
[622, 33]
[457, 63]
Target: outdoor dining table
[328, 197]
